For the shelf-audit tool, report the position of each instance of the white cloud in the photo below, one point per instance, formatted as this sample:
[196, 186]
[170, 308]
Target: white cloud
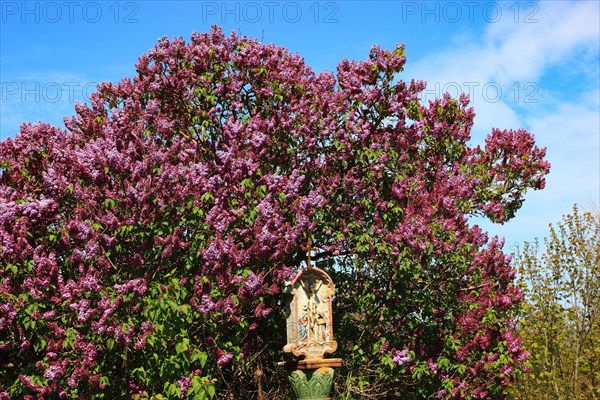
[571, 133]
[512, 55]
[511, 51]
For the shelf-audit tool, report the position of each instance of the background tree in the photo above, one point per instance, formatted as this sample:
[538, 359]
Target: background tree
[561, 320]
[143, 248]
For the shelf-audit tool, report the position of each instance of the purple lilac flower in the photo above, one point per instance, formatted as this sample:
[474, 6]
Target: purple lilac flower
[400, 357]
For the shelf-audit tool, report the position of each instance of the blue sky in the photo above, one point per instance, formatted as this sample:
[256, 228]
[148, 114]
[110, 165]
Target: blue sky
[526, 64]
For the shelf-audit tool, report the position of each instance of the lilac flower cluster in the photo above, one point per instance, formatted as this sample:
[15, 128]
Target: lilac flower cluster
[400, 357]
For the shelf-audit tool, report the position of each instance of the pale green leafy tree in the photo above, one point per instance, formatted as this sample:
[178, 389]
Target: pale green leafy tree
[560, 324]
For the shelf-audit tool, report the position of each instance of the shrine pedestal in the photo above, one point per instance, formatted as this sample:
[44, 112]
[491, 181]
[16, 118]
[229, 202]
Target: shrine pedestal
[312, 379]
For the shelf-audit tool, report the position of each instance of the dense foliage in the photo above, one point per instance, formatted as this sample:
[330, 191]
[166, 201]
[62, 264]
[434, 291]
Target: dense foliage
[561, 322]
[143, 249]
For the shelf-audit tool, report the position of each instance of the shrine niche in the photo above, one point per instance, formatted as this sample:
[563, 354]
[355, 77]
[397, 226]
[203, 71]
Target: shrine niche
[309, 315]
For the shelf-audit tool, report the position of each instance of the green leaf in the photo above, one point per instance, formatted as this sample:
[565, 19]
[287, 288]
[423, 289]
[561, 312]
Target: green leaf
[207, 197]
[182, 346]
[211, 390]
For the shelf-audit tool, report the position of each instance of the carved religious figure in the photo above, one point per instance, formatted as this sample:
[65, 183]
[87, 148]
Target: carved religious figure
[309, 314]
[303, 325]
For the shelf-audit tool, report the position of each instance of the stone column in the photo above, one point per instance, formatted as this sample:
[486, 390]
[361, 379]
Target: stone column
[313, 384]
[312, 379]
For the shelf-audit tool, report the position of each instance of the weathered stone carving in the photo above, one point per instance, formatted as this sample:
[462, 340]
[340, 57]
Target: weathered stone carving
[309, 315]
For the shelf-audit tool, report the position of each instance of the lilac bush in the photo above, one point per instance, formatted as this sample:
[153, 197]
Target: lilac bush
[144, 247]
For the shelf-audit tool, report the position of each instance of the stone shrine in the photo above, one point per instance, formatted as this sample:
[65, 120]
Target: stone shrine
[309, 316]
[309, 320]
